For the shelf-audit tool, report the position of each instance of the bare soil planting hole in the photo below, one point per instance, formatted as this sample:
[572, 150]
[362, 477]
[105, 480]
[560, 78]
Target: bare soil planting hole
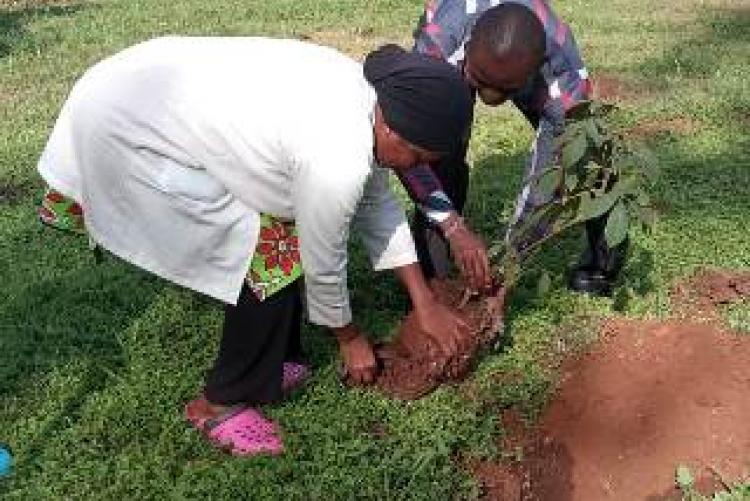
[648, 397]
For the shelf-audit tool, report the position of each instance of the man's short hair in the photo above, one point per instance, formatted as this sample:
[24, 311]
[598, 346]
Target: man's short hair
[511, 29]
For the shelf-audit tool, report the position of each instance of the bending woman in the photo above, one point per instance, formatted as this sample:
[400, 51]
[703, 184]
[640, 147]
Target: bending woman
[231, 165]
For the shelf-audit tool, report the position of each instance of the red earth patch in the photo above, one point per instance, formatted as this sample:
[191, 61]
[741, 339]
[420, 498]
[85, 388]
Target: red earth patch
[653, 128]
[612, 88]
[650, 396]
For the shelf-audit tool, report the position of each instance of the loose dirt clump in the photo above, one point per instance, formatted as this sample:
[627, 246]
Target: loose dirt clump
[612, 88]
[412, 365]
[701, 296]
[540, 470]
[657, 128]
[650, 396]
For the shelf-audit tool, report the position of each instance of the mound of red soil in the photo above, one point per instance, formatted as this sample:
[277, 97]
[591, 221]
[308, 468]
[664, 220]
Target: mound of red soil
[700, 296]
[412, 365]
[649, 397]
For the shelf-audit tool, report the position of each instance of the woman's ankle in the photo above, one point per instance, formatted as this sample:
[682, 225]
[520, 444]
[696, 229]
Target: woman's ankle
[203, 408]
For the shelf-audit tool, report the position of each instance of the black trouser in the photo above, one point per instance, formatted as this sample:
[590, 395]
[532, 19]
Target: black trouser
[598, 257]
[433, 250]
[258, 337]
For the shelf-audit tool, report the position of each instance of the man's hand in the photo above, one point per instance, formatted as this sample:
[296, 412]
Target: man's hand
[357, 354]
[469, 252]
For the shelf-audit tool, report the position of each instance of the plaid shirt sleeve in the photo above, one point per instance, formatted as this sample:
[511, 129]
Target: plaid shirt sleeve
[440, 33]
[425, 190]
[562, 83]
[442, 29]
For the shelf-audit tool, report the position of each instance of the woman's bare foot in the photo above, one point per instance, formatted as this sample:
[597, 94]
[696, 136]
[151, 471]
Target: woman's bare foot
[201, 408]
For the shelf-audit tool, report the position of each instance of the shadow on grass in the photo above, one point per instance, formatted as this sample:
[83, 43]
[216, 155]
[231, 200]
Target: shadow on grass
[62, 330]
[13, 192]
[496, 181]
[13, 22]
[56, 317]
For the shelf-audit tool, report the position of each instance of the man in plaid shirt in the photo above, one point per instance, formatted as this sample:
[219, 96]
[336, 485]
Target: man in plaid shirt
[518, 50]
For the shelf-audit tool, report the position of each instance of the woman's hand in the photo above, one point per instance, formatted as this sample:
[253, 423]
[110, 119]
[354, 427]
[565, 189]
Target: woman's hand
[436, 320]
[469, 252]
[441, 324]
[357, 354]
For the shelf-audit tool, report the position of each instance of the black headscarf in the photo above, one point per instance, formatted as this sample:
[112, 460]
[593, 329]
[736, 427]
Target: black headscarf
[423, 99]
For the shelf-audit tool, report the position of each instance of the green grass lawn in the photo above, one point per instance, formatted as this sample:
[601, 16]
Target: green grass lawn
[97, 360]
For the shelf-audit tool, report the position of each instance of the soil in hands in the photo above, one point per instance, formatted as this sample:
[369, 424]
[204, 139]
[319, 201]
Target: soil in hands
[412, 365]
[648, 397]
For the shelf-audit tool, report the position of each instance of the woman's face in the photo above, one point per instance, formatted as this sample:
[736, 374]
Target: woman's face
[394, 152]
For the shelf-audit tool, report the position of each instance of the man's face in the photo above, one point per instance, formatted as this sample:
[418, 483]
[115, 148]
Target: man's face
[495, 78]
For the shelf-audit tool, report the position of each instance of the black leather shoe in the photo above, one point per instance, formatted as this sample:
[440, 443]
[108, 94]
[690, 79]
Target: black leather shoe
[599, 266]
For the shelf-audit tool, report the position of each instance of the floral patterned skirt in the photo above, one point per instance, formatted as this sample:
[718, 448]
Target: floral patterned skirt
[274, 265]
[276, 262]
[58, 211]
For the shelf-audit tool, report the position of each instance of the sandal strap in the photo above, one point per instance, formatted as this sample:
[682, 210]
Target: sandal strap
[210, 423]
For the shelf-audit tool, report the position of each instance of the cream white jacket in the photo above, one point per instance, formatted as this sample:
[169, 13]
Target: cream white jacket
[176, 145]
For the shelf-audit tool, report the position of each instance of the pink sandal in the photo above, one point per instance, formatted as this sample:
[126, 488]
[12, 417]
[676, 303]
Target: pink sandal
[294, 374]
[241, 431]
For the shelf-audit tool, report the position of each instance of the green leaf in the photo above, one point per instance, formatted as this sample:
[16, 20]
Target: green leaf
[628, 185]
[594, 133]
[592, 176]
[529, 224]
[544, 284]
[496, 250]
[643, 199]
[566, 216]
[617, 225]
[592, 166]
[683, 477]
[571, 181]
[548, 182]
[511, 271]
[574, 150]
[592, 207]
